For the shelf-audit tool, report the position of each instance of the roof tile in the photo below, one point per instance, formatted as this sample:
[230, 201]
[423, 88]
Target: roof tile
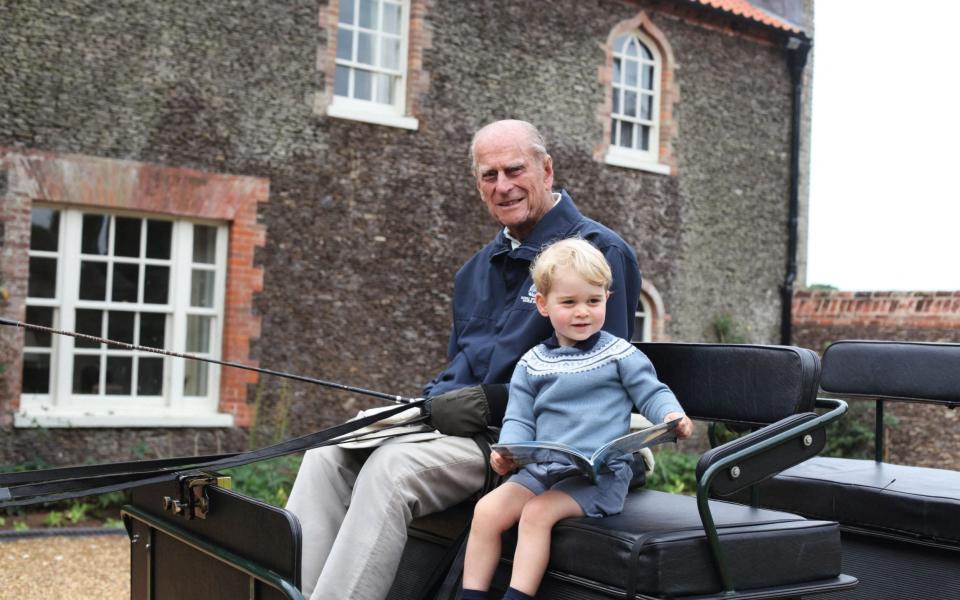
[742, 8]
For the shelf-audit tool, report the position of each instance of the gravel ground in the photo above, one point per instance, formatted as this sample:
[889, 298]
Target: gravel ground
[65, 567]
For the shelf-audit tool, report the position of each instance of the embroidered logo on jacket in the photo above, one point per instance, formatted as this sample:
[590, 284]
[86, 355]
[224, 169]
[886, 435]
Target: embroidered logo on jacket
[540, 361]
[531, 296]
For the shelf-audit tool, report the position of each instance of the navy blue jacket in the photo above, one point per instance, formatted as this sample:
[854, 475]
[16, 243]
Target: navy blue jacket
[495, 319]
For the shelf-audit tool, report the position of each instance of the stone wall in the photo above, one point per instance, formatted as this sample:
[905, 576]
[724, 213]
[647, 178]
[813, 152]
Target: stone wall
[367, 224]
[926, 435]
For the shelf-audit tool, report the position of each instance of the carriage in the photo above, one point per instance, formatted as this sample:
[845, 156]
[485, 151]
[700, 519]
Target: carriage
[770, 519]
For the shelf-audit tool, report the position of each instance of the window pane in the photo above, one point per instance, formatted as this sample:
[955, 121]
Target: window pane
[646, 106]
[120, 326]
[365, 42]
[126, 280]
[93, 280]
[127, 239]
[150, 376]
[362, 85]
[346, 11]
[615, 132]
[648, 77]
[630, 104]
[201, 288]
[95, 230]
[644, 141]
[384, 88]
[390, 53]
[345, 44]
[198, 333]
[86, 374]
[119, 375]
[36, 374]
[44, 228]
[158, 239]
[616, 101]
[630, 68]
[391, 17]
[195, 378]
[341, 82]
[43, 278]
[156, 284]
[644, 51]
[152, 326]
[638, 329]
[89, 322]
[38, 315]
[620, 44]
[204, 244]
[630, 48]
[626, 134]
[368, 14]
[616, 71]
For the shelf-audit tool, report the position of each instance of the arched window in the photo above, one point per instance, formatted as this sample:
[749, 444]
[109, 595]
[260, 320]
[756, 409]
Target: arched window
[635, 115]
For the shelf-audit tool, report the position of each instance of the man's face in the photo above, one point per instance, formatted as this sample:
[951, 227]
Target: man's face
[513, 183]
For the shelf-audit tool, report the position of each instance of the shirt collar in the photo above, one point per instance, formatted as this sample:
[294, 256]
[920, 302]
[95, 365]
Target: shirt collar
[557, 223]
[514, 242]
[584, 345]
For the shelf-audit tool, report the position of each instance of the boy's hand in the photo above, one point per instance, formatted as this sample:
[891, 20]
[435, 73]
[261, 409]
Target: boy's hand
[684, 427]
[499, 464]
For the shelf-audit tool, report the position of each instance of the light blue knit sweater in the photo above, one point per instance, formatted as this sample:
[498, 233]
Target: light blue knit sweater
[581, 396]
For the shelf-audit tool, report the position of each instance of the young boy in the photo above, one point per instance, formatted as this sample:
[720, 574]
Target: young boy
[577, 388]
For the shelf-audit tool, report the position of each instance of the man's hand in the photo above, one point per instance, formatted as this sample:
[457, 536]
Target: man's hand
[684, 427]
[464, 412]
[500, 465]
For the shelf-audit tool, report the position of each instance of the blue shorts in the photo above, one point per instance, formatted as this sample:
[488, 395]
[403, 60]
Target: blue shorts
[603, 498]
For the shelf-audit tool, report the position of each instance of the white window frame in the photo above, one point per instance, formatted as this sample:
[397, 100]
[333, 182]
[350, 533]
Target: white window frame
[644, 311]
[60, 407]
[368, 111]
[632, 158]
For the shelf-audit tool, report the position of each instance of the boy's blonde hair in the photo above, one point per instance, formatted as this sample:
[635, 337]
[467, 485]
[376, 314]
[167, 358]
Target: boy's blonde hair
[574, 253]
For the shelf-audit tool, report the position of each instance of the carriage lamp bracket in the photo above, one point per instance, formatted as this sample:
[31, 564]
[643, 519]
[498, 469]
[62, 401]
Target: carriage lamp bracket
[193, 501]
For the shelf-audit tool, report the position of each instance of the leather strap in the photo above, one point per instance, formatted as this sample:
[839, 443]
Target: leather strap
[101, 479]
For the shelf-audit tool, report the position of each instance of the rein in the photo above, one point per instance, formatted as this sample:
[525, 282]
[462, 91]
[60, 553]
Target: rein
[64, 483]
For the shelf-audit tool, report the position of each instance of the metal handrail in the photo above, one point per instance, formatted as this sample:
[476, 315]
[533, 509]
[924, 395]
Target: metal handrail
[839, 407]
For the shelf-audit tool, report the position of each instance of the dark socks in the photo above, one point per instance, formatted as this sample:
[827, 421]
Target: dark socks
[513, 594]
[473, 595]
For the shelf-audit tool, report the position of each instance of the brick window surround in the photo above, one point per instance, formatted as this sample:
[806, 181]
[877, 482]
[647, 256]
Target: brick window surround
[658, 315]
[82, 181]
[419, 39]
[666, 162]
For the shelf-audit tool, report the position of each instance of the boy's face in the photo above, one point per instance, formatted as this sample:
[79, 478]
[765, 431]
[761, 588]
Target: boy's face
[575, 307]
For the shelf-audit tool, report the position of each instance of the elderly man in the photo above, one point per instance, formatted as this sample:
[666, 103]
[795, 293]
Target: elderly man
[354, 505]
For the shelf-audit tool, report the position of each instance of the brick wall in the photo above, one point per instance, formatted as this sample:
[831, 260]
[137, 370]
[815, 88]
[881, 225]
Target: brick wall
[924, 435]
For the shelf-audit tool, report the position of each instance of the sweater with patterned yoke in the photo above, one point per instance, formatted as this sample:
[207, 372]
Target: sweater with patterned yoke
[582, 395]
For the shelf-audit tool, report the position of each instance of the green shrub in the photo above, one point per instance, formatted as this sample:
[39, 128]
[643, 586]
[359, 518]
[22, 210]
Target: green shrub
[269, 481]
[852, 435]
[675, 472]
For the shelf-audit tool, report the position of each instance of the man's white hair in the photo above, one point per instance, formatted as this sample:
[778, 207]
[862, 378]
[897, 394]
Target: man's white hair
[533, 137]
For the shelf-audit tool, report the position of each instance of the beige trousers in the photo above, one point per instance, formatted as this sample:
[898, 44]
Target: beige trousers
[354, 507]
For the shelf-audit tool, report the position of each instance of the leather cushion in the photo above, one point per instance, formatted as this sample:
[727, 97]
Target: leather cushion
[737, 383]
[915, 502]
[763, 547]
[922, 372]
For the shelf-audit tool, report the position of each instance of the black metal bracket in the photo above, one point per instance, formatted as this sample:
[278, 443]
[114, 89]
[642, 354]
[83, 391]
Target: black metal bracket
[193, 502]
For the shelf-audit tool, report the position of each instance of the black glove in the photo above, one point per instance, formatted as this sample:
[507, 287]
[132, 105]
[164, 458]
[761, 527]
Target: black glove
[464, 412]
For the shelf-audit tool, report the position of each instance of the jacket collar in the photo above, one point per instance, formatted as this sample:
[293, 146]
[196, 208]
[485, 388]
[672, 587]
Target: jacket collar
[557, 223]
